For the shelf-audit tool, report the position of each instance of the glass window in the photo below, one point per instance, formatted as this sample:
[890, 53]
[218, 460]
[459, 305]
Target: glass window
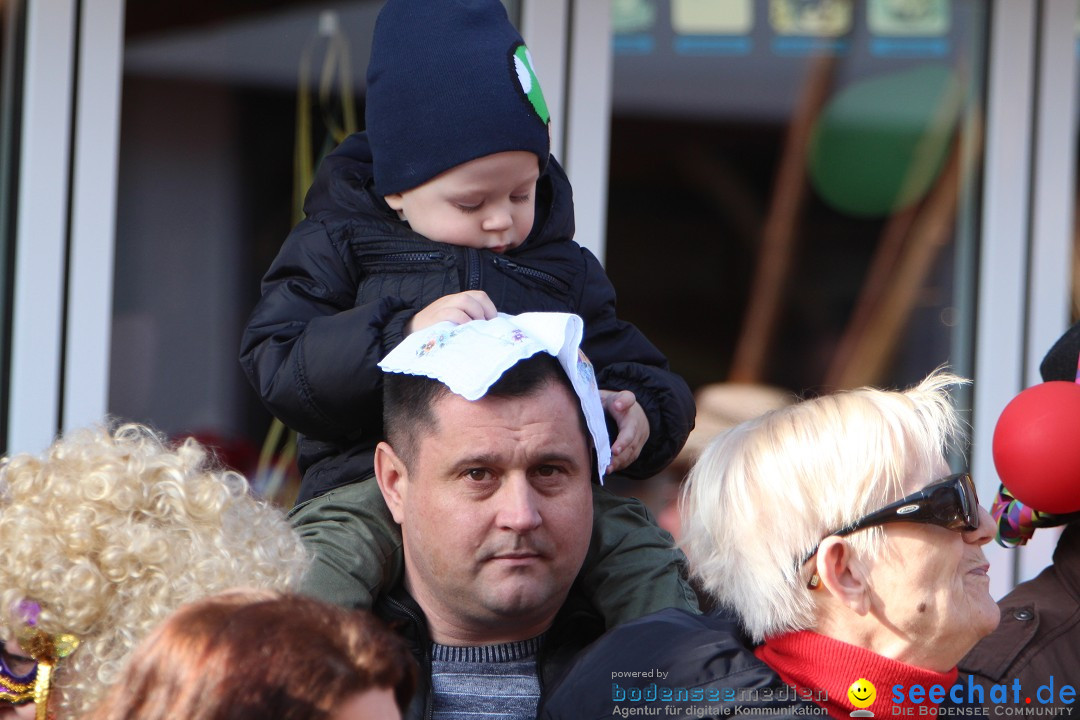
[792, 199]
[206, 196]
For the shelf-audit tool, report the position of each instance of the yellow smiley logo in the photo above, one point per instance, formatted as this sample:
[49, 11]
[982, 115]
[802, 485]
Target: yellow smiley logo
[862, 693]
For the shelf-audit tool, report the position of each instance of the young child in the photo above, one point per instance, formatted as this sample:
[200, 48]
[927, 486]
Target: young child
[448, 207]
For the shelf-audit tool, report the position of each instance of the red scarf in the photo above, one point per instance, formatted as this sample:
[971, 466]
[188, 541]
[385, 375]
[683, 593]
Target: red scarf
[815, 663]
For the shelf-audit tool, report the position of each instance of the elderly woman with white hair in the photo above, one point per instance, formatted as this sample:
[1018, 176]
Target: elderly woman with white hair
[833, 534]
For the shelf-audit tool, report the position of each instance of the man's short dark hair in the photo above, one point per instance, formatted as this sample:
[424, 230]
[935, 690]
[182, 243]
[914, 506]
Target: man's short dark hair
[408, 399]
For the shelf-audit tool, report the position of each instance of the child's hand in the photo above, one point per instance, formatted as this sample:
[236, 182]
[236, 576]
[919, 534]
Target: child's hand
[458, 308]
[632, 423]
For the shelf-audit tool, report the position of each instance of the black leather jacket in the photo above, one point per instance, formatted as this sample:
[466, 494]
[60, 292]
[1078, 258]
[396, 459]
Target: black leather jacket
[576, 625]
[351, 275]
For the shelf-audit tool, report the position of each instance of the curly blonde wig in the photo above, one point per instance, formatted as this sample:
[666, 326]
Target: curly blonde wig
[110, 531]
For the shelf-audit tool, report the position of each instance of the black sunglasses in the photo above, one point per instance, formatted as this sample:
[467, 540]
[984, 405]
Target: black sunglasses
[950, 502]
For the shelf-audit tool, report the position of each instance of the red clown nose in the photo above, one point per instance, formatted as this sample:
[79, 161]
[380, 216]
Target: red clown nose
[1037, 447]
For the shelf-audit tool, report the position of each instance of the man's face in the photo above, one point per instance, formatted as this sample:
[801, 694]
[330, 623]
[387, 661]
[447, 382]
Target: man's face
[485, 203]
[495, 512]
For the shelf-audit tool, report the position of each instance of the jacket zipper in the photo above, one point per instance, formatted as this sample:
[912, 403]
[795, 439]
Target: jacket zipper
[405, 609]
[432, 256]
[474, 268]
[533, 273]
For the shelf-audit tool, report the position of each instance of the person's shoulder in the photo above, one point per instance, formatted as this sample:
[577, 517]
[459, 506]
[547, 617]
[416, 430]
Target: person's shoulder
[678, 621]
[672, 662]
[693, 647]
[673, 623]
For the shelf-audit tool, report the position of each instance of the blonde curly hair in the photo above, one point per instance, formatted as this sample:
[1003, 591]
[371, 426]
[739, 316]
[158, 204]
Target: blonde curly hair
[110, 530]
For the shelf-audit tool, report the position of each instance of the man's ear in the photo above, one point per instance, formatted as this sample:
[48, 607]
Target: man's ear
[843, 575]
[393, 478]
[394, 201]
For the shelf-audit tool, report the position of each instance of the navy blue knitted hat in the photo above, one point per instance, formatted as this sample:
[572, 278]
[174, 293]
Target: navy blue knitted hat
[449, 81]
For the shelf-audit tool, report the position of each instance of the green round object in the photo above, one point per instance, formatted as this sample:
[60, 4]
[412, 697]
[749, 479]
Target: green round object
[879, 144]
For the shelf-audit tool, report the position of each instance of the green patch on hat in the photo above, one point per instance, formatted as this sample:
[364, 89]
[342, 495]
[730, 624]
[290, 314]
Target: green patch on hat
[530, 84]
